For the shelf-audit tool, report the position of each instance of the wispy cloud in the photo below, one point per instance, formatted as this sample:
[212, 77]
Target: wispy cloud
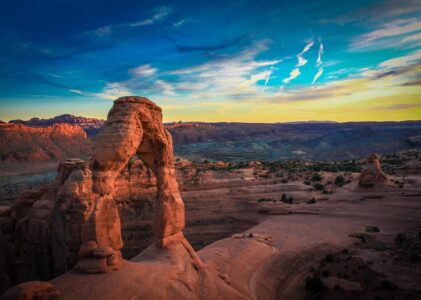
[143, 71]
[224, 74]
[294, 74]
[318, 74]
[398, 76]
[301, 62]
[159, 15]
[180, 22]
[409, 59]
[75, 91]
[391, 34]
[112, 91]
[234, 76]
[319, 63]
[376, 11]
[269, 73]
[320, 53]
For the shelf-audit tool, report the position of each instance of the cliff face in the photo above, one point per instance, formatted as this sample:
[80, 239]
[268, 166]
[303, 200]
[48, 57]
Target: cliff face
[59, 141]
[90, 125]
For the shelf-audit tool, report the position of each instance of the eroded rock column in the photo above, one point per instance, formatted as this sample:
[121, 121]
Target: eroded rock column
[372, 173]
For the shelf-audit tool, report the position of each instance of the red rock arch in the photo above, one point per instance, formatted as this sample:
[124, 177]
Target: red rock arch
[134, 126]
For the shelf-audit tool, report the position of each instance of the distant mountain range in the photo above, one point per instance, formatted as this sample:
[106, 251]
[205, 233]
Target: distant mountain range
[271, 141]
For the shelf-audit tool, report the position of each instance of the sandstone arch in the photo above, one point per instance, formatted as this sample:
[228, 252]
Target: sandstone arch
[134, 126]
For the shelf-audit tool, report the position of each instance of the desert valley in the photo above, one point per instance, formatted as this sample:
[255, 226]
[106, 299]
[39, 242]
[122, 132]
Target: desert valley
[259, 229]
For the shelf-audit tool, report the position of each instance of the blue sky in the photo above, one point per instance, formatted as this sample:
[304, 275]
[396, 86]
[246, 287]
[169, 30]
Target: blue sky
[251, 61]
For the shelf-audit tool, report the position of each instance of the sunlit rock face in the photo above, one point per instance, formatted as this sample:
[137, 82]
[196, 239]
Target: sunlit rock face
[372, 173]
[59, 141]
[40, 232]
[134, 126]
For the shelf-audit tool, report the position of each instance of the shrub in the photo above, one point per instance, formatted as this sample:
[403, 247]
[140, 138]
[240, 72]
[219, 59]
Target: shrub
[306, 182]
[339, 180]
[316, 177]
[319, 186]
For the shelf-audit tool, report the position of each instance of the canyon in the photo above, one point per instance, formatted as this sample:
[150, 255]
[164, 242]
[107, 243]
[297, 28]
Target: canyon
[269, 141]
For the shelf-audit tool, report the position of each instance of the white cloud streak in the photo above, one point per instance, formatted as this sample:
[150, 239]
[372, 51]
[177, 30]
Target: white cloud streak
[75, 91]
[301, 62]
[234, 76]
[391, 34]
[318, 74]
[319, 63]
[161, 13]
[143, 71]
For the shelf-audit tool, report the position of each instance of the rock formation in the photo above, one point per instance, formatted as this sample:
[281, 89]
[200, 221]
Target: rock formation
[134, 126]
[40, 232]
[372, 173]
[59, 141]
[211, 216]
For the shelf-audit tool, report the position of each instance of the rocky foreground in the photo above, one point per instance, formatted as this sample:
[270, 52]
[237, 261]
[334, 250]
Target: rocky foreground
[273, 229]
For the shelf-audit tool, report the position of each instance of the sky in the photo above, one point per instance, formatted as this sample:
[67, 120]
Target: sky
[213, 61]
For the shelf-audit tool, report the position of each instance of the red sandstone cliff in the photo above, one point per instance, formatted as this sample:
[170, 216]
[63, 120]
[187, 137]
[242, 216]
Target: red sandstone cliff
[59, 141]
[90, 125]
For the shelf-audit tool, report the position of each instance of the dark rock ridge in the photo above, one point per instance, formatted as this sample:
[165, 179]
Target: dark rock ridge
[306, 141]
[55, 142]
